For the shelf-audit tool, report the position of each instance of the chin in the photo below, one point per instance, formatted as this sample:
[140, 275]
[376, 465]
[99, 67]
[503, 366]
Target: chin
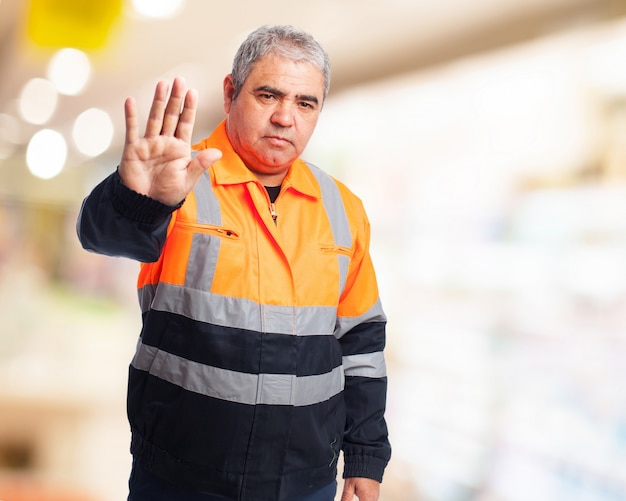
[274, 163]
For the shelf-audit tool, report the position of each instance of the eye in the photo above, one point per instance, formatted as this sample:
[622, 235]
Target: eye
[267, 97]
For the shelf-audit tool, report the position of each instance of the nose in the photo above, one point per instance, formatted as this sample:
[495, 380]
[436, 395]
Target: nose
[283, 115]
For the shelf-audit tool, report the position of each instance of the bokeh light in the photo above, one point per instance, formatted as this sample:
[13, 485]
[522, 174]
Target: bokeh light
[69, 70]
[93, 132]
[9, 134]
[157, 8]
[38, 101]
[46, 154]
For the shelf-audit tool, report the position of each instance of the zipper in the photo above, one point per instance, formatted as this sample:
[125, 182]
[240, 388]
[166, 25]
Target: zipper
[273, 212]
[271, 203]
[337, 249]
[207, 228]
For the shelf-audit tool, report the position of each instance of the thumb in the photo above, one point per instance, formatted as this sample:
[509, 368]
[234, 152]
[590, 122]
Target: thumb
[205, 158]
[202, 161]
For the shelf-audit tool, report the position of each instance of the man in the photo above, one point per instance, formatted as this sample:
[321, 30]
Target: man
[261, 353]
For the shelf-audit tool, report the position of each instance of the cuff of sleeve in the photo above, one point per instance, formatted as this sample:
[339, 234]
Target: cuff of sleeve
[364, 467]
[138, 207]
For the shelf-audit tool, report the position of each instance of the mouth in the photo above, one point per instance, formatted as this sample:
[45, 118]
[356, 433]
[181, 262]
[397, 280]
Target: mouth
[278, 140]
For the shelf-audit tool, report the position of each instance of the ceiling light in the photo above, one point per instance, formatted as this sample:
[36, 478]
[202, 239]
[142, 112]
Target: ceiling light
[157, 8]
[38, 101]
[93, 132]
[46, 154]
[69, 70]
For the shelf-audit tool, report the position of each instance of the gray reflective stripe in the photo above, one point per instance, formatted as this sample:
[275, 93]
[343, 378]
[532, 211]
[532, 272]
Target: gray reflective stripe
[238, 312]
[204, 248]
[333, 203]
[338, 218]
[271, 389]
[374, 314]
[146, 295]
[207, 206]
[202, 261]
[365, 365]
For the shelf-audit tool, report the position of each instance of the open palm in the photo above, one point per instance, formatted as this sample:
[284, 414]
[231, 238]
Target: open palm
[159, 164]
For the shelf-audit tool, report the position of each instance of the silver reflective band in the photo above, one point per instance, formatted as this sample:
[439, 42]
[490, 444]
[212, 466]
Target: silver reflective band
[239, 313]
[374, 314]
[240, 387]
[365, 365]
[339, 224]
[333, 203]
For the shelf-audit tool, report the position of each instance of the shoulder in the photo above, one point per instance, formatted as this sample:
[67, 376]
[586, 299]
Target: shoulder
[350, 199]
[336, 194]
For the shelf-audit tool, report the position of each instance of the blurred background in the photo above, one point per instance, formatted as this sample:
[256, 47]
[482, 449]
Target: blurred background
[487, 140]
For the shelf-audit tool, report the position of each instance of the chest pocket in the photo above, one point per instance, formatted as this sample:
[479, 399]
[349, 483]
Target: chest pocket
[343, 255]
[206, 242]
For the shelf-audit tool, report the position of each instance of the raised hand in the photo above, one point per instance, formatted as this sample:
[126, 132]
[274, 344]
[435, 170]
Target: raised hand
[159, 164]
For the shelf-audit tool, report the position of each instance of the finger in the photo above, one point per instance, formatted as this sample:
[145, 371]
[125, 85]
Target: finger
[203, 160]
[208, 157]
[174, 105]
[155, 119]
[198, 165]
[187, 117]
[348, 492]
[130, 118]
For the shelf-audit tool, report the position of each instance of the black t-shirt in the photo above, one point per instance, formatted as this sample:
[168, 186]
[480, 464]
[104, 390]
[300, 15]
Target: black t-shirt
[273, 192]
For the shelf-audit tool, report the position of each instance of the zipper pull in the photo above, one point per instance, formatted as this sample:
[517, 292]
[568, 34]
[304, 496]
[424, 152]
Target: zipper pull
[273, 212]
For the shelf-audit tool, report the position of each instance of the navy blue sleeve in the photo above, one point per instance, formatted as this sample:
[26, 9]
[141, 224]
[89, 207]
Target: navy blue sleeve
[366, 444]
[117, 221]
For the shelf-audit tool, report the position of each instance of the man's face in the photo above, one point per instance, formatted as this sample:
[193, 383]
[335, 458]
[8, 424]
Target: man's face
[271, 120]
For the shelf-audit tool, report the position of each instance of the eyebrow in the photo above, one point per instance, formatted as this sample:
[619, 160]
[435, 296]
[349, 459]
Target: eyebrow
[280, 93]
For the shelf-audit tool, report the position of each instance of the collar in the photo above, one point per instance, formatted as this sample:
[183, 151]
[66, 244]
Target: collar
[230, 169]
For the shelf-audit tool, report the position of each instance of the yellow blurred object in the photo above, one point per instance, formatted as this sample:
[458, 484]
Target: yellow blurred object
[82, 24]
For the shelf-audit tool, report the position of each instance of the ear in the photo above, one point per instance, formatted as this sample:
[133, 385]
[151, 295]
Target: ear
[229, 93]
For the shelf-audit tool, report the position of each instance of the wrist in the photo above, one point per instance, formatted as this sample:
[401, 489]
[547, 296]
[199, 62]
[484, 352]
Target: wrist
[138, 206]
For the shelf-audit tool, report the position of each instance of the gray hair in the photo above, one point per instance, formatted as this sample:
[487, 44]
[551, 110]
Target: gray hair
[285, 41]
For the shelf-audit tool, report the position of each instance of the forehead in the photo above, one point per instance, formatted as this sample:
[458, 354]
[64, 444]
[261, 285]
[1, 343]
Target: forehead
[286, 75]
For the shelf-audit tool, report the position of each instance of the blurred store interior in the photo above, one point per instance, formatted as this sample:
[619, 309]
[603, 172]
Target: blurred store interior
[487, 140]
